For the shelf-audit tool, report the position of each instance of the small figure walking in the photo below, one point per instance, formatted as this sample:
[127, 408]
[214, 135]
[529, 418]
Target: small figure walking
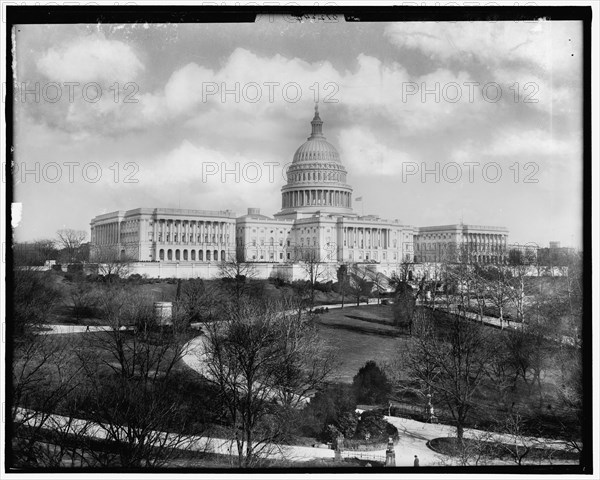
[416, 462]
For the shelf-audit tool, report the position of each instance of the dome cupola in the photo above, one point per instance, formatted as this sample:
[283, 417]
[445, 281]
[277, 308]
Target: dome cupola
[316, 179]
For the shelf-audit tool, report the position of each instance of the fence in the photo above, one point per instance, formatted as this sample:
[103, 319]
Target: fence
[367, 456]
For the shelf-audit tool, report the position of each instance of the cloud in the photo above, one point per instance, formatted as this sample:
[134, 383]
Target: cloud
[280, 84]
[91, 59]
[533, 142]
[208, 177]
[366, 155]
[539, 44]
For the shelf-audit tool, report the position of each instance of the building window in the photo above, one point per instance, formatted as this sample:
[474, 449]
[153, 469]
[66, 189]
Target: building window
[175, 237]
[185, 254]
[161, 254]
[200, 255]
[288, 256]
[193, 254]
[177, 254]
[208, 255]
[169, 254]
[280, 255]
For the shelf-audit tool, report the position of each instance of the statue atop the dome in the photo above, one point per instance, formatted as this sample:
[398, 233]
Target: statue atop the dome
[317, 124]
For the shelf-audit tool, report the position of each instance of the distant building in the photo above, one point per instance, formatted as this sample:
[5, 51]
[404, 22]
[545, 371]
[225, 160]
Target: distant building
[164, 234]
[316, 222]
[454, 243]
[555, 255]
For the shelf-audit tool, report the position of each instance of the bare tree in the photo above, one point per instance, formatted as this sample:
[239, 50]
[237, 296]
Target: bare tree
[479, 289]
[34, 253]
[342, 275]
[360, 283]
[379, 282]
[316, 270]
[499, 289]
[83, 298]
[41, 379]
[112, 263]
[71, 241]
[452, 363]
[235, 274]
[264, 362]
[34, 296]
[127, 390]
[197, 300]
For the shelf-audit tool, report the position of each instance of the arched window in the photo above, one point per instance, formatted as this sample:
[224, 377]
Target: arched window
[222, 255]
[193, 254]
[216, 255]
[161, 254]
[177, 254]
[185, 255]
[200, 255]
[208, 255]
[169, 254]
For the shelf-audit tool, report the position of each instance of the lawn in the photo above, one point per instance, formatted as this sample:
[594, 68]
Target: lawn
[360, 334]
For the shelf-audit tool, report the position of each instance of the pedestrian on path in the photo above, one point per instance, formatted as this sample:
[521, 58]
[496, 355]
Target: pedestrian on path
[416, 462]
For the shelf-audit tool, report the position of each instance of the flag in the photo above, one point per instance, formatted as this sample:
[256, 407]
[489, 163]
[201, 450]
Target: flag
[358, 199]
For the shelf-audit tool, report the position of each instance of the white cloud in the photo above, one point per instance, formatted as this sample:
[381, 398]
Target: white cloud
[543, 44]
[535, 142]
[91, 59]
[365, 155]
[204, 176]
[373, 88]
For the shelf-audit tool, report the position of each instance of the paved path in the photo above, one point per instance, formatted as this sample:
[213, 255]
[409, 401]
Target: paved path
[66, 329]
[413, 435]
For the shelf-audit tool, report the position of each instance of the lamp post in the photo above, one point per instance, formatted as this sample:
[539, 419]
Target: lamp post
[390, 454]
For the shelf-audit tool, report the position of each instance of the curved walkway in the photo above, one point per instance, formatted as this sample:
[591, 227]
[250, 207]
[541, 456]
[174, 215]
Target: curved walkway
[413, 435]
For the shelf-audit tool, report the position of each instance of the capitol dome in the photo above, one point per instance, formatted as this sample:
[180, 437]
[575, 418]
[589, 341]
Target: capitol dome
[316, 148]
[316, 179]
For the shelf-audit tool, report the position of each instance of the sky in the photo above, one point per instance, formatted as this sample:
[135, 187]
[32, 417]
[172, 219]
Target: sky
[436, 122]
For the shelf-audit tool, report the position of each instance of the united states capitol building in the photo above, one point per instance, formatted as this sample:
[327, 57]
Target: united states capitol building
[316, 223]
